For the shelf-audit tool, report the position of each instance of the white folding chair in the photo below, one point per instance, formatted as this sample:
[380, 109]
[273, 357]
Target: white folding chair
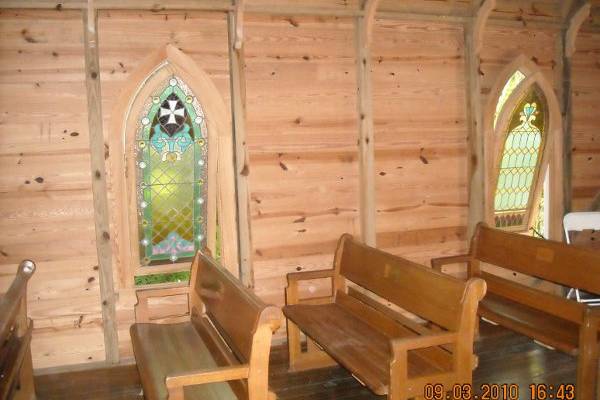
[576, 222]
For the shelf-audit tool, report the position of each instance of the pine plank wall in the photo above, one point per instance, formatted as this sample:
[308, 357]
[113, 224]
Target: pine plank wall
[302, 132]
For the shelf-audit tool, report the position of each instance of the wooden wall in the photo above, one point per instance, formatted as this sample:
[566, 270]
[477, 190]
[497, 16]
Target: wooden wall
[46, 208]
[302, 131]
[420, 138]
[586, 119]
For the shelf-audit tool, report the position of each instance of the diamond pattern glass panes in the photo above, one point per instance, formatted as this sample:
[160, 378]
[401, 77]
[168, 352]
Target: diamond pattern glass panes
[520, 161]
[171, 156]
[509, 87]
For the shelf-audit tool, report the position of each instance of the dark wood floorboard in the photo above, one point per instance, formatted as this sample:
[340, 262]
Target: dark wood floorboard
[504, 357]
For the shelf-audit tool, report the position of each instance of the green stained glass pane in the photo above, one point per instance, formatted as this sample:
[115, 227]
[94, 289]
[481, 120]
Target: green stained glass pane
[172, 162]
[519, 165]
[153, 279]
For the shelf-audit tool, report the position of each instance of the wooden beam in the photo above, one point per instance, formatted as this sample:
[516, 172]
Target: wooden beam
[574, 23]
[217, 5]
[565, 49]
[482, 15]
[242, 164]
[366, 145]
[474, 30]
[99, 190]
[275, 9]
[238, 27]
[291, 10]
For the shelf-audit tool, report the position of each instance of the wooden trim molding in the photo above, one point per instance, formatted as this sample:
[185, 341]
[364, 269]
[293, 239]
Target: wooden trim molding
[574, 25]
[99, 185]
[366, 146]
[242, 163]
[474, 30]
[155, 70]
[552, 157]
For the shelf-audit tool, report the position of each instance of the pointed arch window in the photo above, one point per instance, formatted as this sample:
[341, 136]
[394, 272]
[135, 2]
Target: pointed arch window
[171, 161]
[172, 175]
[518, 199]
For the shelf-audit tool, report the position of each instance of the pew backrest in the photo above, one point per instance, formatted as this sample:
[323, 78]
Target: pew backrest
[234, 310]
[429, 294]
[549, 260]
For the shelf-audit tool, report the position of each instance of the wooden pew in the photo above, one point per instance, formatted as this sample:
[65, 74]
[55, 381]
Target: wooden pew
[390, 354]
[220, 350]
[549, 318]
[16, 370]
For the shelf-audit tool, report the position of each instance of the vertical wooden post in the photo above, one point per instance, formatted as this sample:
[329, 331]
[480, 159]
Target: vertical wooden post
[574, 18]
[101, 217]
[563, 66]
[474, 30]
[242, 166]
[366, 145]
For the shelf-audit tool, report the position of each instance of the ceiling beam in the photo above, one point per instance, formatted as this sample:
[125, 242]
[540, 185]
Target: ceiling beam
[442, 15]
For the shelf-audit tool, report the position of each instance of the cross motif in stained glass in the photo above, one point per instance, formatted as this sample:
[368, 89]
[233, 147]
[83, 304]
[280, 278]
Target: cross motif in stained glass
[520, 161]
[171, 158]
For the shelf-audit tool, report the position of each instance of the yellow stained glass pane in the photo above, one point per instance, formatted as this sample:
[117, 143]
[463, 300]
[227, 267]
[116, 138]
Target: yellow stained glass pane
[509, 87]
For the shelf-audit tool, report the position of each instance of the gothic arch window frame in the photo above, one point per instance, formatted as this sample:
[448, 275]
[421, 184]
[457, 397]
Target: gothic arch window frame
[220, 193]
[552, 156]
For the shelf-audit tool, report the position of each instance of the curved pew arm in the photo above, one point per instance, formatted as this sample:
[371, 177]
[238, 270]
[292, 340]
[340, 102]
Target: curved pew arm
[176, 383]
[141, 308]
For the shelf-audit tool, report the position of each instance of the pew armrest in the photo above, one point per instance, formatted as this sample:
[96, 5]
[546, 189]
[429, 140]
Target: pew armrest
[438, 263]
[142, 309]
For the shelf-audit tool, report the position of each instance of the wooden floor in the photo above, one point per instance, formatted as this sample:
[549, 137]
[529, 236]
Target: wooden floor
[504, 357]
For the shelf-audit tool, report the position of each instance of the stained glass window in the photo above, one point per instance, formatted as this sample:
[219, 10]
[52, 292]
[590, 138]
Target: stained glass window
[509, 87]
[519, 165]
[171, 147]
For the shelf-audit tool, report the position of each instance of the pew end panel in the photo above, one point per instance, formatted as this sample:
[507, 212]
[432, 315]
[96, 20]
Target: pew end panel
[16, 368]
[218, 350]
